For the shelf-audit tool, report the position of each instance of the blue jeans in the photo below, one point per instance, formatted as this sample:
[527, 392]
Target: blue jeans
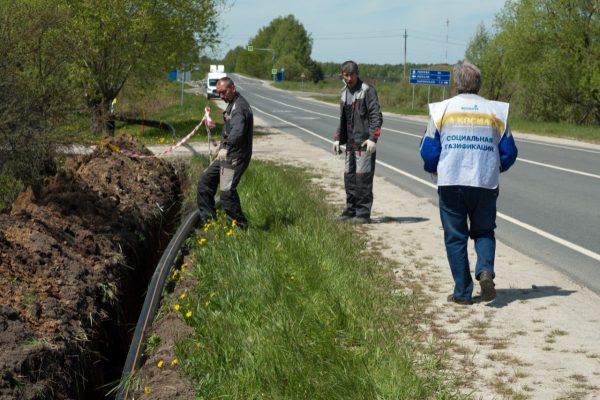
[468, 212]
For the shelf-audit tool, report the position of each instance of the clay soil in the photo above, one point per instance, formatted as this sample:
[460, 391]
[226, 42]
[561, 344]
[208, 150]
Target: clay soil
[75, 258]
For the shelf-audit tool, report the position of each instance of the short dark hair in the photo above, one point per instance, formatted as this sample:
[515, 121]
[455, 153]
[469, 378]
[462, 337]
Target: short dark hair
[467, 77]
[226, 80]
[349, 67]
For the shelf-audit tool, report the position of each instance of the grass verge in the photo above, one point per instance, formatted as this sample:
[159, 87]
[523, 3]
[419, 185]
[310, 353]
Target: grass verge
[294, 308]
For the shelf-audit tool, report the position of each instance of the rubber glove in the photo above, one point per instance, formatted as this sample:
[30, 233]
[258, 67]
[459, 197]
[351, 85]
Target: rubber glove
[336, 147]
[370, 146]
[222, 155]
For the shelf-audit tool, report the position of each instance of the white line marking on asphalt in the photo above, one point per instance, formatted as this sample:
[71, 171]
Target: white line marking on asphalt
[544, 234]
[558, 146]
[560, 168]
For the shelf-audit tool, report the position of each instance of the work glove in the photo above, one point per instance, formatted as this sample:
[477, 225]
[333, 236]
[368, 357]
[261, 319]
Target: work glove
[370, 146]
[222, 155]
[336, 147]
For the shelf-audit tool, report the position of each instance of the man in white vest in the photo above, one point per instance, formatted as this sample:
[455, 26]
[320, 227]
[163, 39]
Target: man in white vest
[467, 144]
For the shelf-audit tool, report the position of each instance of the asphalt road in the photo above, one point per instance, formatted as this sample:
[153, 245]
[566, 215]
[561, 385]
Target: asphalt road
[549, 205]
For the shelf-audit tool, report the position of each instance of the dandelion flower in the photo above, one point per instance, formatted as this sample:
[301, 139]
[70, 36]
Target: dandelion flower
[188, 314]
[201, 241]
[177, 307]
[230, 232]
[162, 140]
[182, 296]
[233, 223]
[147, 390]
[160, 364]
[174, 362]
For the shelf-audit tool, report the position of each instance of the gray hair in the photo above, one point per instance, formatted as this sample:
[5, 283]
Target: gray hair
[467, 77]
[349, 67]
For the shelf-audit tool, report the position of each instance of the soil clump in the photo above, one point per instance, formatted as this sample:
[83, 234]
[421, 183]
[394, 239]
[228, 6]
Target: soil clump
[75, 258]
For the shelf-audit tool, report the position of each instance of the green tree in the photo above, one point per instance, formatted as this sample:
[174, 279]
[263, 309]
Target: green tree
[291, 46]
[119, 38]
[35, 93]
[546, 54]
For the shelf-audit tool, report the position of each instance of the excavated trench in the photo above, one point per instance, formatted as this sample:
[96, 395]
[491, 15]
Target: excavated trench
[76, 256]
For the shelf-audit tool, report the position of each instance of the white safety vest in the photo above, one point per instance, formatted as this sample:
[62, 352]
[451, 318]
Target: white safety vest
[470, 129]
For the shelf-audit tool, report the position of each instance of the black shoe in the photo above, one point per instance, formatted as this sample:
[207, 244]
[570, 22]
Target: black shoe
[342, 217]
[488, 290]
[462, 302]
[360, 220]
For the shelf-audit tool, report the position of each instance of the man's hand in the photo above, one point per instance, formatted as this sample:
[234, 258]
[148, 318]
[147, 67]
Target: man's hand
[222, 155]
[370, 146]
[336, 147]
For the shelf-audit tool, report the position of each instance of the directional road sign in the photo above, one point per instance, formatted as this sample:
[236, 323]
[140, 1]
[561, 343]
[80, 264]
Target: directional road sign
[429, 77]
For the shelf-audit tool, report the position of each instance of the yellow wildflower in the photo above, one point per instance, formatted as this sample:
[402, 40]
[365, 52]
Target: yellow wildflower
[213, 294]
[188, 314]
[160, 364]
[182, 296]
[177, 307]
[175, 275]
[162, 140]
[233, 223]
[147, 390]
[230, 232]
[207, 303]
[174, 362]
[201, 241]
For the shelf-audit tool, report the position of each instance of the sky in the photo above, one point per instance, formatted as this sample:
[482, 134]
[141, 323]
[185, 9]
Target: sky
[368, 31]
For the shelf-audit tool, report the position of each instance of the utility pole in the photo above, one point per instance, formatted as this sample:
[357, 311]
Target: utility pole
[447, 24]
[404, 76]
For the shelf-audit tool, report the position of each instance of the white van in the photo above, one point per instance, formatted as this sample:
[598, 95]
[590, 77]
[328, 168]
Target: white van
[216, 72]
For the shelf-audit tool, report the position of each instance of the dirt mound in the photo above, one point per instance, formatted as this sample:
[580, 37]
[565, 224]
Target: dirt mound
[75, 257]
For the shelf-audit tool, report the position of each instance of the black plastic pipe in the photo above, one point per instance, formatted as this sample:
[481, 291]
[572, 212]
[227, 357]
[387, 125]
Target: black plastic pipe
[153, 299]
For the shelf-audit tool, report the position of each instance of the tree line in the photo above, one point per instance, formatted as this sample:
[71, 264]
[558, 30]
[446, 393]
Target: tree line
[543, 56]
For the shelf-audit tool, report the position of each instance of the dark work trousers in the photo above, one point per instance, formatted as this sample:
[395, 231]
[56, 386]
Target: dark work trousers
[358, 180]
[468, 212]
[227, 177]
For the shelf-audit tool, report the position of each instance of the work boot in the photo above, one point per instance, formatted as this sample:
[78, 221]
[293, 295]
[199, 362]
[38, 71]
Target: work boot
[344, 216]
[488, 291]
[462, 302]
[360, 220]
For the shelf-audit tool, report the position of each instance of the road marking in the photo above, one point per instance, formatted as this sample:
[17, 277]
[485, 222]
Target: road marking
[558, 146]
[560, 168]
[508, 218]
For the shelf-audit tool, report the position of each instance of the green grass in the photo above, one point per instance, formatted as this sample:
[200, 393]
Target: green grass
[294, 309]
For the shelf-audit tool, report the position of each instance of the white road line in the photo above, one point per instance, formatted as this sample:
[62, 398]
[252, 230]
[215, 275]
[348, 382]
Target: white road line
[558, 146]
[559, 168]
[544, 234]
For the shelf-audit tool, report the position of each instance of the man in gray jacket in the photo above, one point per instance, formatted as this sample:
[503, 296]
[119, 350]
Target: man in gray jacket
[359, 129]
[235, 152]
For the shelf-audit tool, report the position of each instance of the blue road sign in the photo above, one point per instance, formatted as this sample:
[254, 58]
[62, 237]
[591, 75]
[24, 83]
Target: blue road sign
[429, 77]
